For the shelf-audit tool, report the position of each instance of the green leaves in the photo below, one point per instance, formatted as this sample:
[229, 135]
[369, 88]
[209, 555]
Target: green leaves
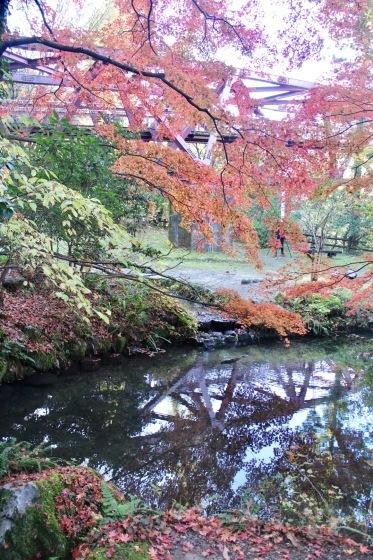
[17, 457]
[26, 196]
[113, 509]
[103, 316]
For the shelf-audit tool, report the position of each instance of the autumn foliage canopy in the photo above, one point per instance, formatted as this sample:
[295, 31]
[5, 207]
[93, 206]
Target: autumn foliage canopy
[164, 66]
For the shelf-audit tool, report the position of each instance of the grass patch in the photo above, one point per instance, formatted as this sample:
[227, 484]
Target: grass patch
[218, 261]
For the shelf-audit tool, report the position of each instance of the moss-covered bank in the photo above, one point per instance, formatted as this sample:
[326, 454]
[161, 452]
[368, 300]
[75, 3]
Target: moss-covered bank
[33, 525]
[39, 333]
[328, 314]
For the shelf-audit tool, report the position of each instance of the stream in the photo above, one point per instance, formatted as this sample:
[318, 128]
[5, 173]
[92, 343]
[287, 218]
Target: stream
[276, 431]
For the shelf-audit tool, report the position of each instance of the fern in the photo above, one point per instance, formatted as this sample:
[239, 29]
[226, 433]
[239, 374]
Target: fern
[112, 509]
[23, 457]
[6, 450]
[14, 350]
[109, 503]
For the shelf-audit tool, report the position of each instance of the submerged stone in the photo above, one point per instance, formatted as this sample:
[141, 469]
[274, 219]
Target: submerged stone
[230, 360]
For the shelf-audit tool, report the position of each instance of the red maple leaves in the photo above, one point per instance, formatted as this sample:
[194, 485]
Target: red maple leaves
[265, 316]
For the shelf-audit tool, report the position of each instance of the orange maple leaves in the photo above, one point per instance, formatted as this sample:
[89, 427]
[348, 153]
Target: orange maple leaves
[156, 65]
[265, 316]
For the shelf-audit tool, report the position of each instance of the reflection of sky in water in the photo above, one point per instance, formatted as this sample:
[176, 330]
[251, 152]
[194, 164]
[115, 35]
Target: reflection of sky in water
[267, 453]
[38, 412]
[154, 427]
[189, 419]
[357, 419]
[322, 380]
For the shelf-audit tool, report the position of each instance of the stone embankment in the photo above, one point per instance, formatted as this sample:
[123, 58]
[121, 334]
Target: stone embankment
[216, 330]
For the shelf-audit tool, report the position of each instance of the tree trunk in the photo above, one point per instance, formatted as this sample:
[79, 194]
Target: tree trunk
[4, 5]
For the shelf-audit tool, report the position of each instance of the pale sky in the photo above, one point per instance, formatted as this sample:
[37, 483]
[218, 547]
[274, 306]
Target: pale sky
[273, 11]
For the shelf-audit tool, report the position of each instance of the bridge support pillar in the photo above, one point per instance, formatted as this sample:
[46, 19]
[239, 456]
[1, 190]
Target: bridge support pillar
[179, 236]
[193, 240]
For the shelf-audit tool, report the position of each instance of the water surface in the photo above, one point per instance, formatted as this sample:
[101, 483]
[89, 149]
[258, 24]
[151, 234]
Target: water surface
[274, 428]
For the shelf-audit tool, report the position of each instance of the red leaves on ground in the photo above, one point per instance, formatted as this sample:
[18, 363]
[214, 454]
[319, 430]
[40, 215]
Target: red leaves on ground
[78, 510]
[78, 503]
[37, 312]
[190, 530]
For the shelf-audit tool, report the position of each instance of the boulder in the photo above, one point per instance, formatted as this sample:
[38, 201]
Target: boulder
[230, 360]
[13, 281]
[246, 337]
[29, 527]
[246, 281]
[230, 339]
[15, 501]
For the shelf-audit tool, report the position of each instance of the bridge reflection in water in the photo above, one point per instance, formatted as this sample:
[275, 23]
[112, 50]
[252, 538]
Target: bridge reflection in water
[188, 428]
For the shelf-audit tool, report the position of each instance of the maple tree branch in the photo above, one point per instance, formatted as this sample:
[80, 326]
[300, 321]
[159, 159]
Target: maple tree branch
[154, 186]
[213, 18]
[148, 17]
[16, 137]
[363, 162]
[112, 273]
[363, 263]
[147, 28]
[347, 128]
[138, 14]
[22, 41]
[40, 8]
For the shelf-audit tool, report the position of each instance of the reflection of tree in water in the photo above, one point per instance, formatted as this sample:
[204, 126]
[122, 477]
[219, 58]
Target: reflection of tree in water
[200, 451]
[326, 471]
[91, 419]
[190, 433]
[90, 416]
[208, 432]
[351, 453]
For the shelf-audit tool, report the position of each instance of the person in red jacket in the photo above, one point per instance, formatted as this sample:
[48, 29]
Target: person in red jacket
[280, 236]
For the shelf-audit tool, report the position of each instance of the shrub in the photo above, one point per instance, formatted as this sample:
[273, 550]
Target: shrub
[266, 316]
[322, 314]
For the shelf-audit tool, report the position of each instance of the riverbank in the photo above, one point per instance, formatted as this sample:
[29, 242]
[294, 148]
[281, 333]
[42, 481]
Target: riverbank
[41, 334]
[71, 512]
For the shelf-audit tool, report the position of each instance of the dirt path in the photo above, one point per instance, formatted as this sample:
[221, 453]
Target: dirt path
[246, 284]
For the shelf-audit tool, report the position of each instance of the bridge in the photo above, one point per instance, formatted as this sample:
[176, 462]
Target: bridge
[38, 65]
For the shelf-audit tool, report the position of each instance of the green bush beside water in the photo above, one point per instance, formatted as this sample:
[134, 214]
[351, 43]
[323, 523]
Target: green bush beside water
[325, 315]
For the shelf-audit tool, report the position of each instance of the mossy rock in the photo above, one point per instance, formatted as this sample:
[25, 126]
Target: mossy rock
[77, 350]
[29, 526]
[16, 371]
[45, 361]
[136, 551]
[102, 346]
